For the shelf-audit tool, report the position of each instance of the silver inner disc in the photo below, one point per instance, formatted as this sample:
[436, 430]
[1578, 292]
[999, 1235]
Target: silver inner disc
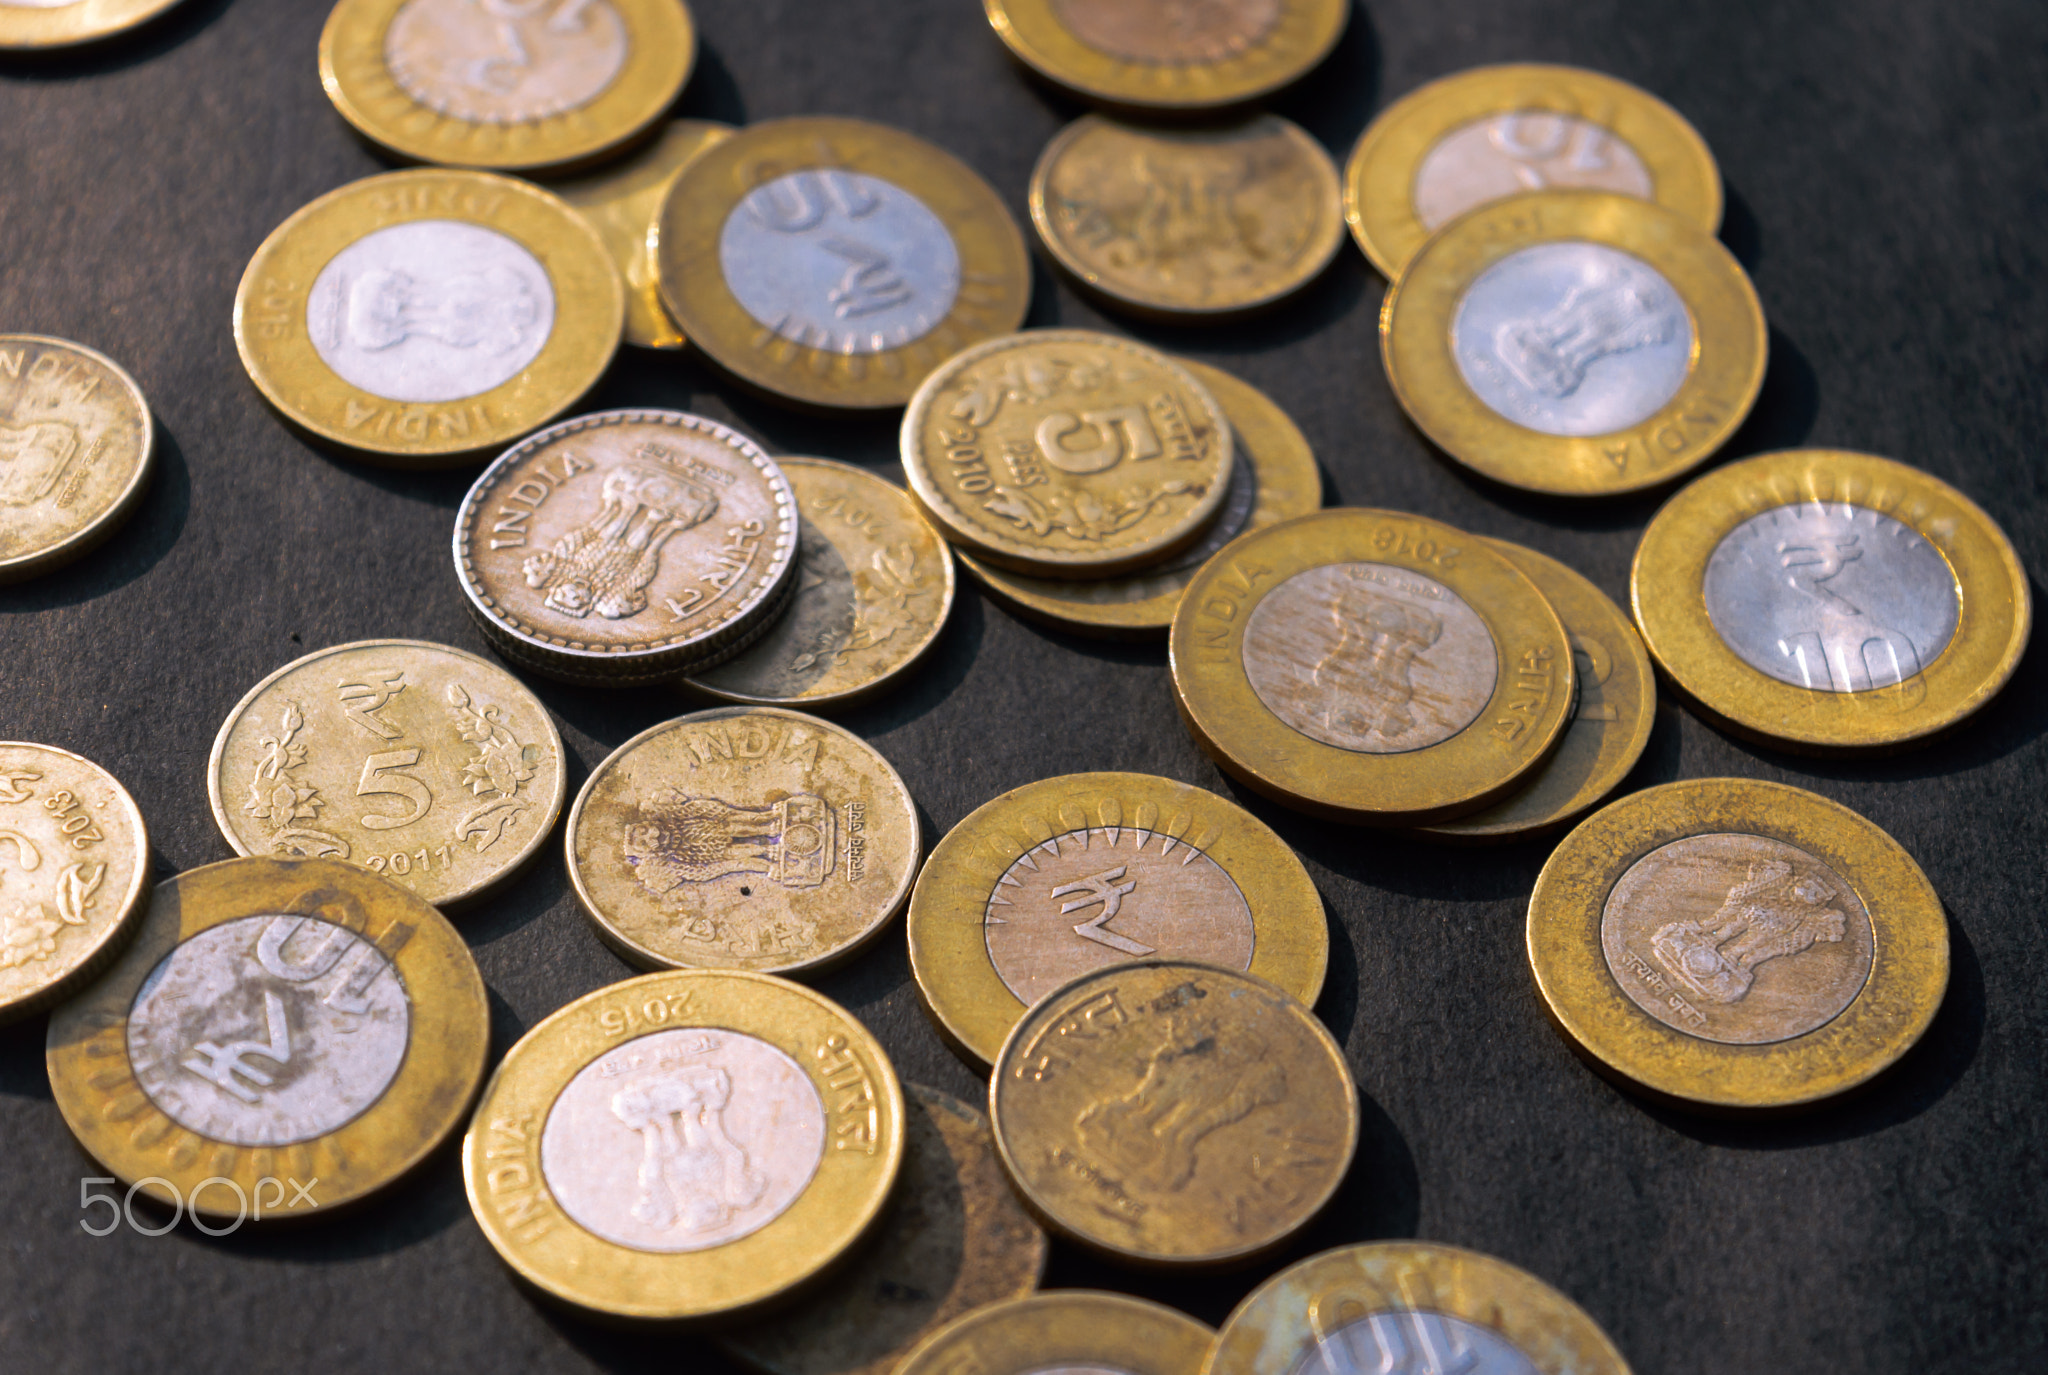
[1406, 1341]
[1499, 156]
[505, 61]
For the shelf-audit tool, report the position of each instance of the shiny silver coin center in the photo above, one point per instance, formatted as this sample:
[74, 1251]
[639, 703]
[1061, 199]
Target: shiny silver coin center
[1369, 657]
[840, 261]
[1573, 338]
[505, 61]
[431, 311]
[1834, 597]
[1409, 1341]
[269, 1030]
[1506, 155]
[683, 1140]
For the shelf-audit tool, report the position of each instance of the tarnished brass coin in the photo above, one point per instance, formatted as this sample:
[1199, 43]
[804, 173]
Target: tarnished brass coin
[627, 546]
[1069, 875]
[1737, 944]
[834, 262]
[512, 85]
[621, 203]
[1173, 1113]
[685, 1145]
[28, 25]
[1575, 342]
[955, 1239]
[1066, 1332]
[74, 856]
[1829, 600]
[1273, 478]
[743, 838]
[1409, 1306]
[1189, 222]
[874, 585]
[1372, 667]
[1609, 728]
[421, 317]
[78, 439]
[1169, 55]
[1069, 454]
[428, 765]
[283, 1036]
[1488, 133]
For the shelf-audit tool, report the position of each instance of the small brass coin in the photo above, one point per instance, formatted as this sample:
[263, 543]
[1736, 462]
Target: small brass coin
[512, 87]
[1488, 133]
[1173, 1113]
[79, 444]
[955, 1239]
[1066, 1332]
[1371, 667]
[621, 203]
[1409, 1305]
[685, 1145]
[76, 857]
[834, 262]
[1609, 728]
[627, 546]
[29, 25]
[874, 585]
[1737, 945]
[1273, 478]
[1192, 222]
[1069, 454]
[422, 317]
[1577, 343]
[743, 838]
[1163, 55]
[1069, 875]
[1831, 601]
[282, 1037]
[432, 767]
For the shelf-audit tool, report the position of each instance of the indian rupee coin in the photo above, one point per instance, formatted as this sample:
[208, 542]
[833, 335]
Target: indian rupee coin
[34, 25]
[77, 439]
[1066, 1332]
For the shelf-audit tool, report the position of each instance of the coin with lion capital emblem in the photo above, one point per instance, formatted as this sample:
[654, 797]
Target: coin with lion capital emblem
[1065, 1332]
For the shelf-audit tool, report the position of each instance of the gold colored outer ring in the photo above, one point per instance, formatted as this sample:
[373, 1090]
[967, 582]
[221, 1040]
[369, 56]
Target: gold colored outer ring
[1379, 179]
[1908, 971]
[995, 269]
[661, 52]
[30, 30]
[85, 540]
[1282, 1322]
[1730, 345]
[1462, 774]
[1667, 591]
[967, 999]
[1306, 32]
[444, 1061]
[270, 317]
[1063, 1328]
[501, 1164]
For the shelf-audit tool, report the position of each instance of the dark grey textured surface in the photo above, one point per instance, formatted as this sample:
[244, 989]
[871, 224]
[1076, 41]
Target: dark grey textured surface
[1886, 178]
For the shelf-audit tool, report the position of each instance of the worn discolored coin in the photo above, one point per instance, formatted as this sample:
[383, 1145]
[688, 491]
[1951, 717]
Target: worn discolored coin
[743, 838]
[33, 25]
[425, 764]
[1069, 875]
[1193, 222]
[77, 439]
[955, 1239]
[1736, 944]
[1066, 453]
[1066, 1332]
[685, 1145]
[1409, 1306]
[627, 546]
[282, 1036]
[1829, 600]
[874, 585]
[421, 317]
[1173, 1113]
[834, 262]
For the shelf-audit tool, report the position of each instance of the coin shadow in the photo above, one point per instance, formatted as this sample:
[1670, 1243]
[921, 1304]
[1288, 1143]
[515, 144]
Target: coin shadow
[1147, 653]
[144, 43]
[438, 487]
[1785, 409]
[24, 1073]
[425, 1203]
[712, 91]
[1336, 100]
[1741, 235]
[138, 546]
[930, 681]
[634, 1348]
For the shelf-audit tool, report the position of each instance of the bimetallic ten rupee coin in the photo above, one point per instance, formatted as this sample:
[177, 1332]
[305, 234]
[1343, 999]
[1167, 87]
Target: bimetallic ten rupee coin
[685, 1145]
[1578, 343]
[77, 440]
[282, 1036]
[1066, 1332]
[1736, 944]
[430, 766]
[33, 25]
[1828, 600]
[420, 317]
[1070, 875]
[1409, 1306]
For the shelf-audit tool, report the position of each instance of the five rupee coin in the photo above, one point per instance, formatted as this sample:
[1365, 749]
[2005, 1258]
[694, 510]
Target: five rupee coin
[1066, 1332]
[78, 459]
